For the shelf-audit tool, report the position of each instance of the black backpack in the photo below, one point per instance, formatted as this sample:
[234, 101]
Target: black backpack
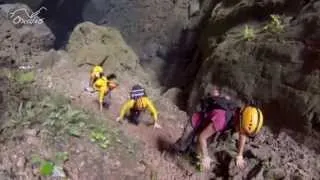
[210, 103]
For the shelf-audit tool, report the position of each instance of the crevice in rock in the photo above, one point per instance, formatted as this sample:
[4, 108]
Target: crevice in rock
[185, 60]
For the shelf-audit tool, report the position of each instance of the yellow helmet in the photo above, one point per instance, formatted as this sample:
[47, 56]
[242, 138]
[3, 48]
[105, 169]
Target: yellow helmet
[97, 69]
[251, 120]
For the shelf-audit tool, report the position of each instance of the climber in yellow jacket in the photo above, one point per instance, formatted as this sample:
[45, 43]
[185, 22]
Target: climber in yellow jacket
[95, 74]
[139, 102]
[104, 85]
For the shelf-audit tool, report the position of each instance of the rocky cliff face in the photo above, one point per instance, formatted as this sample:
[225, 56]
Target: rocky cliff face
[275, 60]
[19, 43]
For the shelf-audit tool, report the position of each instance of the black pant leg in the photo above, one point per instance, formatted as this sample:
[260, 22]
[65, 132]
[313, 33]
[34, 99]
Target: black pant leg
[134, 116]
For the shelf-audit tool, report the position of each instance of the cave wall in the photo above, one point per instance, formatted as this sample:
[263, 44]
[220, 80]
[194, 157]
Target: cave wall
[280, 70]
[148, 26]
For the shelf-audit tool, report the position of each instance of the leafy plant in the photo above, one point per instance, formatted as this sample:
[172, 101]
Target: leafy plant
[99, 136]
[50, 168]
[248, 33]
[45, 167]
[275, 25]
[64, 119]
[24, 77]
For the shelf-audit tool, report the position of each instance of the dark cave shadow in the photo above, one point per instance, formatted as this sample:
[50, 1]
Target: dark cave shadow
[255, 171]
[179, 71]
[183, 62]
[61, 18]
[181, 159]
[165, 146]
[223, 159]
[310, 55]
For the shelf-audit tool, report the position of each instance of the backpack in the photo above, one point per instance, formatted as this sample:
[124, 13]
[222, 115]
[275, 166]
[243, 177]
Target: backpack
[139, 104]
[210, 103]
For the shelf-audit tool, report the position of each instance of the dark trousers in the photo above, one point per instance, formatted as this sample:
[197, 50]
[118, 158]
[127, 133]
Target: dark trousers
[107, 100]
[134, 116]
[189, 134]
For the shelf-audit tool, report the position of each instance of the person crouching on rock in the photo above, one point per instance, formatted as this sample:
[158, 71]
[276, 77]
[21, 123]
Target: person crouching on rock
[104, 85]
[218, 115]
[195, 125]
[138, 103]
[247, 121]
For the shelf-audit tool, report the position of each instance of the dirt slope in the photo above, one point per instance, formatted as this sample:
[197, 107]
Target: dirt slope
[269, 156]
[65, 78]
[266, 154]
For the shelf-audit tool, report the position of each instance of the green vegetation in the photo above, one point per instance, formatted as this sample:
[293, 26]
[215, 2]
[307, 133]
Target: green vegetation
[53, 113]
[55, 117]
[46, 169]
[64, 119]
[50, 167]
[100, 137]
[275, 25]
[49, 120]
[24, 77]
[248, 33]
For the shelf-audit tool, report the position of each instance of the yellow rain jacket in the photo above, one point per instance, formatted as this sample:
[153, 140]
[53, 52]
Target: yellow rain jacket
[145, 102]
[100, 85]
[96, 70]
[103, 85]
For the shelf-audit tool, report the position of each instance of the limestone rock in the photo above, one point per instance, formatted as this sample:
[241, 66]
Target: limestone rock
[19, 44]
[282, 74]
[91, 43]
[194, 7]
[275, 174]
[48, 59]
[173, 94]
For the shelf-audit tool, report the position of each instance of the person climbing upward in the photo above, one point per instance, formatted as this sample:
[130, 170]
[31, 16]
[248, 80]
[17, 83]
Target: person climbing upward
[104, 85]
[138, 103]
[247, 121]
[206, 104]
[95, 72]
[220, 114]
